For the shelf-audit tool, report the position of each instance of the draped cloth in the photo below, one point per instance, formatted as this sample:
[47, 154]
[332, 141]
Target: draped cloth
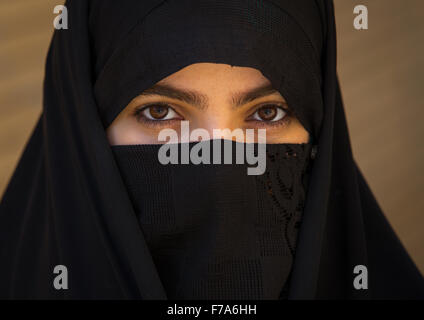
[66, 203]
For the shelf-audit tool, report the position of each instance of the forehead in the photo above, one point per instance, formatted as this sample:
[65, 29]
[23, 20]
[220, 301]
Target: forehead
[216, 75]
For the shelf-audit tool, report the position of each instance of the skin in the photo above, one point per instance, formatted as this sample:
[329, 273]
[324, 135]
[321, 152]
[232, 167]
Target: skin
[216, 86]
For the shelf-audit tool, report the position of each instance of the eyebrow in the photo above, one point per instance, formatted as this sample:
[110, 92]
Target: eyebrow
[200, 101]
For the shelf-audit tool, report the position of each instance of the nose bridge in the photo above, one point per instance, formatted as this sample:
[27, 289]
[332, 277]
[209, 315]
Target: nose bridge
[223, 128]
[217, 116]
[216, 123]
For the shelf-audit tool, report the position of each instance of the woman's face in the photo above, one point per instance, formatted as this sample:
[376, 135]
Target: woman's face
[210, 96]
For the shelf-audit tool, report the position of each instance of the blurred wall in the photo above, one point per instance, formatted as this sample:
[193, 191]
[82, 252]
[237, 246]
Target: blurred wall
[381, 72]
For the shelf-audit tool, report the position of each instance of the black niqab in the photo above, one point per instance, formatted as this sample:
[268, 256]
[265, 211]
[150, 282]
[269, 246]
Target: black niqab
[214, 230]
[66, 203]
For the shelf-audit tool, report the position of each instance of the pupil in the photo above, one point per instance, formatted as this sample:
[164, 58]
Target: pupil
[158, 112]
[267, 113]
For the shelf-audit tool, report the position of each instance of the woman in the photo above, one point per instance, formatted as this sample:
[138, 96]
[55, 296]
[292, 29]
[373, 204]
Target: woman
[90, 194]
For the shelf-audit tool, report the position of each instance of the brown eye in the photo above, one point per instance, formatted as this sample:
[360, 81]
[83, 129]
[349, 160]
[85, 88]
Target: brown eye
[158, 112]
[269, 113]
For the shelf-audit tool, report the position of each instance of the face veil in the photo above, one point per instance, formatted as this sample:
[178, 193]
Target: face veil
[67, 203]
[214, 231]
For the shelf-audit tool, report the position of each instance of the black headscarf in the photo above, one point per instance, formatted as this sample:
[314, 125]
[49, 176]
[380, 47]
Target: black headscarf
[66, 203]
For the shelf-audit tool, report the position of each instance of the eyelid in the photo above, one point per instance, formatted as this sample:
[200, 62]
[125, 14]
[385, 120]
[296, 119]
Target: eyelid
[279, 104]
[140, 109]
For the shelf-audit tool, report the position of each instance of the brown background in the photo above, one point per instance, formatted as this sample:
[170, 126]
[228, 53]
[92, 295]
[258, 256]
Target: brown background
[381, 72]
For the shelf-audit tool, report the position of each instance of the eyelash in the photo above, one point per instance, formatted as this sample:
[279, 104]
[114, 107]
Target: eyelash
[138, 113]
[278, 123]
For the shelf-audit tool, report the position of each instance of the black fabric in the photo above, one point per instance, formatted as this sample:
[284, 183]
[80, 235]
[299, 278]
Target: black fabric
[67, 204]
[214, 231]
